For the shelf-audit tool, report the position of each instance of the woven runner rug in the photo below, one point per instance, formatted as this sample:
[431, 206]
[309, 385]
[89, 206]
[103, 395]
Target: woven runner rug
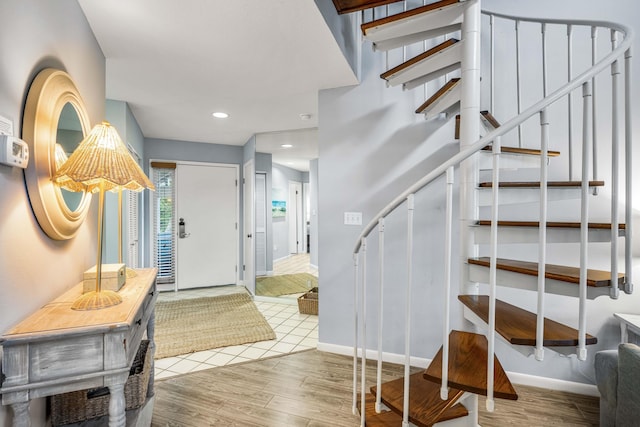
[189, 325]
[286, 284]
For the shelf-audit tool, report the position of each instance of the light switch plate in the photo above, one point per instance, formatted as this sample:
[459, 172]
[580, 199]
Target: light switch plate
[353, 218]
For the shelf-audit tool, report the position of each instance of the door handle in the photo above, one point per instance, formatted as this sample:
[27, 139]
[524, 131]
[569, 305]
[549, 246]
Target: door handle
[249, 236]
[182, 229]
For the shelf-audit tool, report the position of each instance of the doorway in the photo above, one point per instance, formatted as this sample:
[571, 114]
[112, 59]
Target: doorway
[194, 219]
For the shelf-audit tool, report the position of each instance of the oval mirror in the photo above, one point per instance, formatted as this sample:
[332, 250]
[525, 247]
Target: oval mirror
[69, 134]
[54, 113]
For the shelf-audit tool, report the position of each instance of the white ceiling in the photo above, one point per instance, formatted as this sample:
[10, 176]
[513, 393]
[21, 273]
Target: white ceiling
[176, 62]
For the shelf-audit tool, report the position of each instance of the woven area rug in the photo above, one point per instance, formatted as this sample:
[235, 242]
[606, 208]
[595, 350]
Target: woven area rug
[286, 284]
[189, 325]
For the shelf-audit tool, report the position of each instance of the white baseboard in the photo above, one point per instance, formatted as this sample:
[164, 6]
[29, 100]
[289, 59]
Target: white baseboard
[515, 377]
[313, 266]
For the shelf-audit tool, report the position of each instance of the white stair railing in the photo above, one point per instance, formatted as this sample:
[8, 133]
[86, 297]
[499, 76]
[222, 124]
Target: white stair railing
[584, 80]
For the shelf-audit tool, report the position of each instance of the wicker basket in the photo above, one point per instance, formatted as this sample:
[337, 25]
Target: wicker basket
[82, 405]
[308, 303]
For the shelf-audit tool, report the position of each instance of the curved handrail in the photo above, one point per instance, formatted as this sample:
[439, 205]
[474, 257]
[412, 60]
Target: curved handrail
[517, 120]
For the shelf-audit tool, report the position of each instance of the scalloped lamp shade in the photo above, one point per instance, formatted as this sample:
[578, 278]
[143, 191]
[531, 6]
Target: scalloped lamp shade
[102, 160]
[99, 164]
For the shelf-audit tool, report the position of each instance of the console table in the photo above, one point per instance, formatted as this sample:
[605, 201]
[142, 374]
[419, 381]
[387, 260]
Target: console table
[58, 350]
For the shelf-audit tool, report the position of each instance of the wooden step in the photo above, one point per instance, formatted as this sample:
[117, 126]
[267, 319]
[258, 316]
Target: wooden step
[425, 405]
[433, 98]
[425, 64]
[348, 6]
[488, 117]
[373, 419]
[415, 25]
[388, 418]
[519, 326]
[468, 367]
[595, 278]
[536, 184]
[404, 15]
[524, 151]
[550, 224]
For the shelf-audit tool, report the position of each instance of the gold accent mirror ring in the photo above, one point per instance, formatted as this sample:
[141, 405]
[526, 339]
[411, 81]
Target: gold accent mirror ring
[54, 114]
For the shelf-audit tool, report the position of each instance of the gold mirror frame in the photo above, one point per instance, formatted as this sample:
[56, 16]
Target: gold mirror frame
[50, 91]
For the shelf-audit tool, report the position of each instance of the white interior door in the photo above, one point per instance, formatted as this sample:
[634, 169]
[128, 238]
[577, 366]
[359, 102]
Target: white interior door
[249, 275]
[294, 216]
[207, 213]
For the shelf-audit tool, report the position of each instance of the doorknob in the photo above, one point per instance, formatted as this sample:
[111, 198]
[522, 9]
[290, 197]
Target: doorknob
[249, 236]
[181, 229]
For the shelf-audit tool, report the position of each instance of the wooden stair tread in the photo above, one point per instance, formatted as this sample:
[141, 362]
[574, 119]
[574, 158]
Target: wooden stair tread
[392, 419]
[425, 405]
[407, 14]
[526, 151]
[551, 224]
[595, 278]
[444, 89]
[348, 6]
[536, 184]
[519, 326]
[489, 118]
[418, 58]
[468, 367]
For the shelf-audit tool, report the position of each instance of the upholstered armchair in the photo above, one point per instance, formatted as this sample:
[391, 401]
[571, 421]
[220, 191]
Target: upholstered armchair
[618, 381]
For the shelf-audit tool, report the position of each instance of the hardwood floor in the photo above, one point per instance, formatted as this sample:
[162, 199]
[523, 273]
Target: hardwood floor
[313, 389]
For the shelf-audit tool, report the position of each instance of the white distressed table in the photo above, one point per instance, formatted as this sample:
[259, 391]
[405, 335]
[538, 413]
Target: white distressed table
[58, 350]
[628, 322]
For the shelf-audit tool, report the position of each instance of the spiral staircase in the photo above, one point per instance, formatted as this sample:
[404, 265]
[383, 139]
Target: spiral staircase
[492, 177]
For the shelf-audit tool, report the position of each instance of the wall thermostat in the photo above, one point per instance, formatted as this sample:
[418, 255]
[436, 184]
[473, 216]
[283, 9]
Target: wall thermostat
[13, 151]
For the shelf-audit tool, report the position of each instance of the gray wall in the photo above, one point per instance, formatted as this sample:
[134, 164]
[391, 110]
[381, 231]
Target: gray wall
[33, 268]
[313, 208]
[371, 147]
[345, 31]
[120, 116]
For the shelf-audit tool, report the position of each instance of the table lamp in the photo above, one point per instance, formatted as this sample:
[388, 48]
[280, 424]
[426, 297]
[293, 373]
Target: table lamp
[101, 163]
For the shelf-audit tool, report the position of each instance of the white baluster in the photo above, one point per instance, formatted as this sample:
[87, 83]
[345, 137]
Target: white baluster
[380, 311]
[407, 319]
[444, 389]
[491, 334]
[584, 224]
[542, 233]
[615, 181]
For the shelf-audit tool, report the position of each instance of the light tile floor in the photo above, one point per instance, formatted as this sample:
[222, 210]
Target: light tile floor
[294, 332]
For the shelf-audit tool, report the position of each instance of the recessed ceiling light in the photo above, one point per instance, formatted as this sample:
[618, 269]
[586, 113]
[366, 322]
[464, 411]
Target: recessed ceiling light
[220, 115]
[286, 146]
[305, 116]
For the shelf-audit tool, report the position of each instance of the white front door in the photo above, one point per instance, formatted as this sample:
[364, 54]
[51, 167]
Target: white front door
[249, 276]
[207, 234]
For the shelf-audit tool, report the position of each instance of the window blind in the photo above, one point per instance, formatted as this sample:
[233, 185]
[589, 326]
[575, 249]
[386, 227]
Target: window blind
[133, 249]
[163, 218]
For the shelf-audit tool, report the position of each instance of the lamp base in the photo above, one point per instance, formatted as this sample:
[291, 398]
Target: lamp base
[96, 300]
